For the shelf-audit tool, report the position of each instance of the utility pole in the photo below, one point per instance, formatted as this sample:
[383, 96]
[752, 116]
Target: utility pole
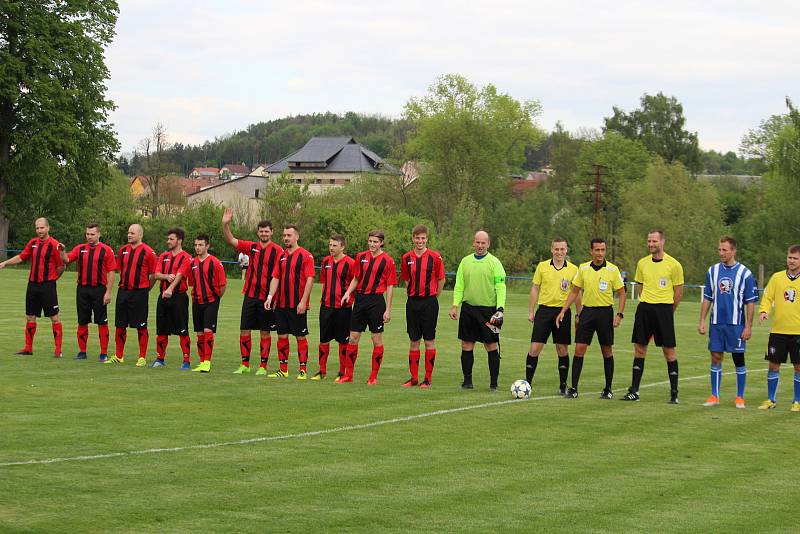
[597, 189]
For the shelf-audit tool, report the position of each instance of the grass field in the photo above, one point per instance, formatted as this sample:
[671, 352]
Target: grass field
[178, 451]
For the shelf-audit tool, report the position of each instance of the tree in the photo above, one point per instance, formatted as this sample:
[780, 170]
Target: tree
[55, 141]
[284, 201]
[659, 124]
[164, 193]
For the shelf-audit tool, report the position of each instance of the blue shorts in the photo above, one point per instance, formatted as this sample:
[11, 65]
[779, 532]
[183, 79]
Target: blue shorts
[726, 338]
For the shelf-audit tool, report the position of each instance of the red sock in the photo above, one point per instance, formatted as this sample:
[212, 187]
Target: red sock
[302, 353]
[161, 346]
[209, 345]
[102, 332]
[120, 335]
[245, 344]
[201, 346]
[377, 358]
[342, 358]
[266, 344]
[352, 356]
[324, 349]
[83, 336]
[283, 354]
[144, 338]
[58, 335]
[30, 332]
[413, 364]
[430, 358]
[186, 347]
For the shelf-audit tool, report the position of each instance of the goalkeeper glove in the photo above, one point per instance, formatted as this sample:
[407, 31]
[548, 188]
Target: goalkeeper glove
[495, 322]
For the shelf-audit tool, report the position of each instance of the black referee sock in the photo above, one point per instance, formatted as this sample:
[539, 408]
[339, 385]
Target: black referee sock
[563, 370]
[608, 369]
[494, 367]
[467, 359]
[638, 370]
[672, 371]
[577, 367]
[530, 367]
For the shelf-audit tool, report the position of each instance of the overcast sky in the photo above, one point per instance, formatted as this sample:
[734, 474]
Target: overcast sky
[209, 68]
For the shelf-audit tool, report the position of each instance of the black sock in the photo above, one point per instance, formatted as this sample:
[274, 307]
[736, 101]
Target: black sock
[494, 367]
[530, 367]
[577, 367]
[467, 359]
[738, 359]
[563, 370]
[638, 370]
[608, 369]
[672, 370]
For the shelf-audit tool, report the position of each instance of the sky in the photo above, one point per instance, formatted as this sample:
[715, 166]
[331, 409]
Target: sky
[208, 68]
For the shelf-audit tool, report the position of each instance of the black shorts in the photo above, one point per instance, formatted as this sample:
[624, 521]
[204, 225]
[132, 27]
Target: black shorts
[782, 345]
[334, 323]
[172, 315]
[656, 322]
[255, 317]
[368, 310]
[288, 321]
[204, 316]
[422, 314]
[132, 308]
[41, 297]
[544, 323]
[472, 324]
[593, 319]
[89, 301]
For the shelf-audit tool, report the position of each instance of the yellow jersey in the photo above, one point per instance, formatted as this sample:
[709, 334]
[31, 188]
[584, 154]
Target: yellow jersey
[554, 284]
[658, 279]
[783, 293]
[598, 283]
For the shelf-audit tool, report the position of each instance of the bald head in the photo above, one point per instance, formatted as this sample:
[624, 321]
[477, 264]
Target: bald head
[135, 234]
[42, 228]
[481, 243]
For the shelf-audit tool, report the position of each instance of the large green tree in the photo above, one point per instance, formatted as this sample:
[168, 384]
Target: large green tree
[660, 125]
[55, 139]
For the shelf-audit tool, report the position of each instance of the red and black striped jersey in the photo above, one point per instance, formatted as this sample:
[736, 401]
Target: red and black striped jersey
[336, 277]
[259, 272]
[45, 259]
[169, 263]
[94, 262]
[422, 273]
[135, 265]
[374, 273]
[292, 271]
[207, 277]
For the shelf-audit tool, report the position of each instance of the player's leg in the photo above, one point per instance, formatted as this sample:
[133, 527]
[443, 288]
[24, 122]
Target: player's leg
[777, 353]
[577, 368]
[608, 370]
[141, 308]
[591, 322]
[58, 334]
[716, 377]
[794, 355]
[351, 353]
[377, 355]
[414, 356]
[737, 346]
[33, 309]
[430, 360]
[49, 303]
[245, 335]
[84, 309]
[430, 316]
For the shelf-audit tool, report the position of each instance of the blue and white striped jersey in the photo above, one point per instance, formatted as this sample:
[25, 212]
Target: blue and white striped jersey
[729, 289]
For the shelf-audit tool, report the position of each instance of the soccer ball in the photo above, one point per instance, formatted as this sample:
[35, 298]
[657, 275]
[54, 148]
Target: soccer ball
[521, 389]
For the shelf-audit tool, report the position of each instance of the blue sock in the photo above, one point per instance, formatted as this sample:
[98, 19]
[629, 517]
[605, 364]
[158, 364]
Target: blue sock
[796, 386]
[716, 378]
[773, 378]
[741, 380]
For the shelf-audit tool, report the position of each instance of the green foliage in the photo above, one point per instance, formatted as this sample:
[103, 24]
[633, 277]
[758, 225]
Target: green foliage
[199, 218]
[283, 202]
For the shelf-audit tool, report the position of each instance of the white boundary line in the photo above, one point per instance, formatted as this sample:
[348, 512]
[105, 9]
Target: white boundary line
[334, 430]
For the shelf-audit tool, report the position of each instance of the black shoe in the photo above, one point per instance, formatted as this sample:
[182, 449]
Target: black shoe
[631, 396]
[673, 397]
[467, 385]
[571, 393]
[80, 356]
[562, 391]
[493, 389]
[24, 353]
[607, 394]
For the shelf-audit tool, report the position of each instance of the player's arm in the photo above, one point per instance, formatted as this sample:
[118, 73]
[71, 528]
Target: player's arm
[532, 300]
[11, 261]
[677, 295]
[458, 292]
[573, 294]
[500, 284]
[62, 252]
[621, 307]
[227, 217]
[349, 290]
[766, 301]
[387, 315]
[701, 324]
[273, 288]
[167, 293]
[750, 311]
[223, 278]
[578, 304]
[302, 306]
[109, 286]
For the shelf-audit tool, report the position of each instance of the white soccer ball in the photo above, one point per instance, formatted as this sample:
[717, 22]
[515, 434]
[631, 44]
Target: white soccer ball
[520, 389]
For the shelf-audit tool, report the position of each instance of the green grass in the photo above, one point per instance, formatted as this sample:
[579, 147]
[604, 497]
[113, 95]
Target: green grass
[541, 465]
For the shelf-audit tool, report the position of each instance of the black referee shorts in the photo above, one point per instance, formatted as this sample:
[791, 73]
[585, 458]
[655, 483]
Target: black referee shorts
[41, 297]
[544, 324]
[656, 322]
[368, 310]
[172, 315]
[334, 323]
[598, 319]
[472, 324]
[422, 314]
[288, 321]
[204, 316]
[89, 301]
[781, 346]
[132, 308]
[255, 317]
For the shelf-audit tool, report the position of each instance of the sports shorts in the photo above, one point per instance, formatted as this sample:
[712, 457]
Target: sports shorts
[334, 323]
[781, 346]
[255, 317]
[132, 308]
[656, 322]
[204, 316]
[368, 310]
[172, 315]
[422, 315]
[472, 324]
[544, 324]
[599, 319]
[288, 321]
[41, 298]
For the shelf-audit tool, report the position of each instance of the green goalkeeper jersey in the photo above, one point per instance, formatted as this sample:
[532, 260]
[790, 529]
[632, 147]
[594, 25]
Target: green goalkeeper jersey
[480, 282]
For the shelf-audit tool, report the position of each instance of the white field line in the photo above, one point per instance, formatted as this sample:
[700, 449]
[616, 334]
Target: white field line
[311, 433]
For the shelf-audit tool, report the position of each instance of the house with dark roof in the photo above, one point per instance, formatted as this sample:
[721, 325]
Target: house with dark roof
[233, 170]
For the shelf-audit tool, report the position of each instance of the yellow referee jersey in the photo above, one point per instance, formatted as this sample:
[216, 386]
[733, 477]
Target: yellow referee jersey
[598, 283]
[554, 284]
[658, 279]
[784, 294]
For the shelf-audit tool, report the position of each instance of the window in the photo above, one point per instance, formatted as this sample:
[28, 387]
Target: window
[256, 194]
